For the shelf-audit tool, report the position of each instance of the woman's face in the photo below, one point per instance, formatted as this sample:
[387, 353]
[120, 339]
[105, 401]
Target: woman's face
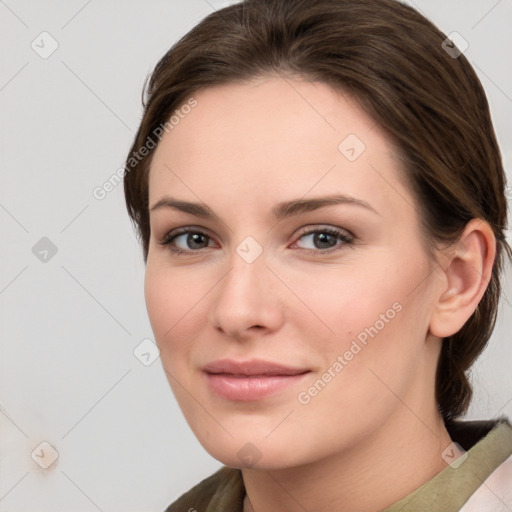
[304, 251]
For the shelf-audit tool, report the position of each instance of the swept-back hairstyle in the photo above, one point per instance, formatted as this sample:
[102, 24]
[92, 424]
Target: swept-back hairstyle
[404, 73]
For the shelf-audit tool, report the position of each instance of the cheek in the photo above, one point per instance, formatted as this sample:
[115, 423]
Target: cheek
[346, 299]
[171, 301]
[173, 305]
[161, 301]
[369, 314]
[380, 322]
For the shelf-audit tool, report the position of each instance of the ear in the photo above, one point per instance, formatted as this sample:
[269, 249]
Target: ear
[466, 271]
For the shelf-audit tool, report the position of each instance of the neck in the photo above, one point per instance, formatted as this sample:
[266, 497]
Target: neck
[399, 457]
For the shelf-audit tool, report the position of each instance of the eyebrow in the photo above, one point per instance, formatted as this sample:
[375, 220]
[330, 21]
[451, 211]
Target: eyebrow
[280, 211]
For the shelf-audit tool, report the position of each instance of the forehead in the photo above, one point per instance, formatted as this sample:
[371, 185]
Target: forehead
[272, 139]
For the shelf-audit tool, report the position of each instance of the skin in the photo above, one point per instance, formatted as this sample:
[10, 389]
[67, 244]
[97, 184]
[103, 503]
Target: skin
[373, 434]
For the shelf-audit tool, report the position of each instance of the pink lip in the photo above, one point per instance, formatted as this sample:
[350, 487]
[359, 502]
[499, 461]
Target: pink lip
[250, 380]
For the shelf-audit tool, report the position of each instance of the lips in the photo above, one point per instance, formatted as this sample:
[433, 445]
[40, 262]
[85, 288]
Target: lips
[250, 380]
[251, 368]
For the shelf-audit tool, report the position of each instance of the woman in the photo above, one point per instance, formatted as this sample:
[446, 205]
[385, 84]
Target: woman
[322, 219]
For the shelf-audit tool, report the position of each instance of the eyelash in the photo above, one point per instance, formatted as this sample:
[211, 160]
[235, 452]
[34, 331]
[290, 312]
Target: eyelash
[345, 237]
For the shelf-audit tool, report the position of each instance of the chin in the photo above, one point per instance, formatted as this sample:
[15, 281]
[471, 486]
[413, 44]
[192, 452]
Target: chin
[246, 451]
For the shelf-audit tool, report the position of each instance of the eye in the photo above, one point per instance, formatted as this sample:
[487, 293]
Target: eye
[185, 240]
[325, 240]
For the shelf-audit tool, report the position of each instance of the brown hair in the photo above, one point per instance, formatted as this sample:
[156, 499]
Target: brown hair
[393, 61]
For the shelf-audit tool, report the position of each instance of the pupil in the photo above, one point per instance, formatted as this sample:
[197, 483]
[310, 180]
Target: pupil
[194, 238]
[323, 238]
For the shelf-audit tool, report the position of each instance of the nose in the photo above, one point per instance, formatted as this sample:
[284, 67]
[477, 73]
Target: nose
[246, 301]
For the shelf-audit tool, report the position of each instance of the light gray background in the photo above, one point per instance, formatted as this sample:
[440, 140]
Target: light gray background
[68, 374]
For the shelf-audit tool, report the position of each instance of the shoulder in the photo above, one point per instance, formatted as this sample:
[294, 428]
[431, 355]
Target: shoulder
[495, 493]
[224, 490]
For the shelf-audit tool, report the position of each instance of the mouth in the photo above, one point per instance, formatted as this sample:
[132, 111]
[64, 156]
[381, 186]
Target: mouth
[250, 380]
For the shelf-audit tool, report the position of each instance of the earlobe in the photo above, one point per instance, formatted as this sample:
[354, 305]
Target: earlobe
[466, 274]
